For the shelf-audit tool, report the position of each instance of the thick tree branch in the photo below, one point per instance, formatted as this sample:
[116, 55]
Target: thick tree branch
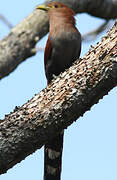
[106, 9]
[67, 98]
[20, 43]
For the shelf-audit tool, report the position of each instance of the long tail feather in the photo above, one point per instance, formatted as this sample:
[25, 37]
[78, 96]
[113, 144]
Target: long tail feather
[53, 158]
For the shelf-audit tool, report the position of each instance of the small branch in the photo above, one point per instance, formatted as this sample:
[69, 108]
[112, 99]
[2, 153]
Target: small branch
[67, 98]
[5, 21]
[89, 36]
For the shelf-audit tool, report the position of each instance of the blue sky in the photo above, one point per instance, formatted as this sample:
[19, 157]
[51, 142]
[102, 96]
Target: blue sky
[90, 148]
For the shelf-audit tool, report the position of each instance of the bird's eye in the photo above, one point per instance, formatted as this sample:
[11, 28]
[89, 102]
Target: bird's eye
[56, 6]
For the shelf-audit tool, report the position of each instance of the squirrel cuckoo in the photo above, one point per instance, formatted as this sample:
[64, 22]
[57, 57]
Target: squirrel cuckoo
[62, 49]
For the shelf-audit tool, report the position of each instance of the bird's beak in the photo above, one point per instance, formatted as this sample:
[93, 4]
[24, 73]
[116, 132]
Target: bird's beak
[43, 7]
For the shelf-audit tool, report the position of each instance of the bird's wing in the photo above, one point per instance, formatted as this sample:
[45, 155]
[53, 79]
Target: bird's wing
[48, 51]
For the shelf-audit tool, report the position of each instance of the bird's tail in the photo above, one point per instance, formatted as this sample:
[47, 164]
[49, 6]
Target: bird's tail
[53, 158]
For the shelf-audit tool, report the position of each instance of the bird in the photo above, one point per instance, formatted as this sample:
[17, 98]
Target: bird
[63, 47]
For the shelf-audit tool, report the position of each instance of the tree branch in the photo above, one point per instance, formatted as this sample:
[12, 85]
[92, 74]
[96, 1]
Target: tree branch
[89, 36]
[67, 98]
[5, 21]
[20, 43]
[106, 9]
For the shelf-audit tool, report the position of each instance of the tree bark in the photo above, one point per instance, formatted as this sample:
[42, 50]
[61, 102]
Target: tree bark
[67, 98]
[21, 41]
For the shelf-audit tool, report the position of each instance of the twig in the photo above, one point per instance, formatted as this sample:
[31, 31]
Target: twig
[89, 36]
[5, 21]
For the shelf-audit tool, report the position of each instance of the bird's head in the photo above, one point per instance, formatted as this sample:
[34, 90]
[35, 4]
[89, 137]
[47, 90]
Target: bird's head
[60, 16]
[55, 6]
